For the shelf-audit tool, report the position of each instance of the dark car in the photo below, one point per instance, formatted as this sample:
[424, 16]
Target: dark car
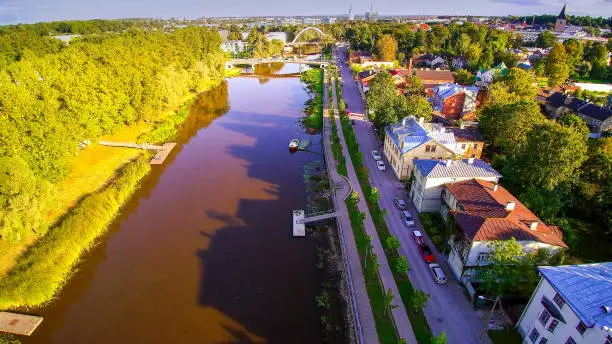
[426, 253]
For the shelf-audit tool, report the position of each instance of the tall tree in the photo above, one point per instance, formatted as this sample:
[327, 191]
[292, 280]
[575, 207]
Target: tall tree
[520, 82]
[556, 67]
[552, 155]
[546, 40]
[418, 106]
[386, 46]
[503, 270]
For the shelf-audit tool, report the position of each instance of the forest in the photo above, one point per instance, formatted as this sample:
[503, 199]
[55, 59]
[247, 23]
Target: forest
[54, 96]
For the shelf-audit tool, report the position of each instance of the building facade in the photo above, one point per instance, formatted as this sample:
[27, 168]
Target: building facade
[571, 305]
[453, 102]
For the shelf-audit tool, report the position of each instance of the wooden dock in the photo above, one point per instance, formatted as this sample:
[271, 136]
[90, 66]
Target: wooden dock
[162, 154]
[19, 323]
[158, 159]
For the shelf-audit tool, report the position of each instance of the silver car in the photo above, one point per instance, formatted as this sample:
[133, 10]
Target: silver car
[407, 217]
[437, 273]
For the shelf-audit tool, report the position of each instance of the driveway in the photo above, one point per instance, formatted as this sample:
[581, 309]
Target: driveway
[447, 310]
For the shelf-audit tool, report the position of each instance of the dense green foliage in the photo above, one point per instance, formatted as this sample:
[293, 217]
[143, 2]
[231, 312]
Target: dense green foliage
[39, 274]
[313, 78]
[99, 83]
[82, 27]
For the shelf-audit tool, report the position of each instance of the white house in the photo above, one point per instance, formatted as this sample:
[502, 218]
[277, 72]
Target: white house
[482, 212]
[431, 175]
[571, 305]
[234, 47]
[280, 35]
[410, 139]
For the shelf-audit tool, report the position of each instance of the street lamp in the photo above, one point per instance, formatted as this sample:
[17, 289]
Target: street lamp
[488, 318]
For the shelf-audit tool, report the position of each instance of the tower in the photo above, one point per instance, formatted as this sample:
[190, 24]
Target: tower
[561, 21]
[351, 16]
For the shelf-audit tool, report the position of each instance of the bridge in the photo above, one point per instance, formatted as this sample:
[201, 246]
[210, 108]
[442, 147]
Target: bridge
[310, 28]
[253, 62]
[300, 219]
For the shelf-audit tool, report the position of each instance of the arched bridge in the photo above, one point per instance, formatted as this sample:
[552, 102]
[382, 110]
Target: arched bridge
[253, 62]
[315, 29]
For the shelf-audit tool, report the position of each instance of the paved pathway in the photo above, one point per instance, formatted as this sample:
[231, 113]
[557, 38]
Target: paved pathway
[402, 323]
[447, 310]
[360, 302]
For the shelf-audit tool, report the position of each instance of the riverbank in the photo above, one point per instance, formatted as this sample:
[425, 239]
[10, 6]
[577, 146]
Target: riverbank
[313, 78]
[96, 186]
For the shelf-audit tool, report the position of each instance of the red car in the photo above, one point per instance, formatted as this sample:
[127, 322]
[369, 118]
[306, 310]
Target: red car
[426, 253]
[418, 238]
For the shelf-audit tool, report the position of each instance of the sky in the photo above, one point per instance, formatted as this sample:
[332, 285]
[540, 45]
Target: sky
[30, 11]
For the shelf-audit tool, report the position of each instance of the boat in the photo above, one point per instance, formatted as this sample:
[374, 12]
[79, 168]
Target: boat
[293, 145]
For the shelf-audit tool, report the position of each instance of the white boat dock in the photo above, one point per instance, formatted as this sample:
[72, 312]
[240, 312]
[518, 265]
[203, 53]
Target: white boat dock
[300, 219]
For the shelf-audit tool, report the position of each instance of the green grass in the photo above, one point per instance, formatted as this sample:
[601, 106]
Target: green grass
[376, 294]
[509, 335]
[417, 318]
[47, 265]
[313, 78]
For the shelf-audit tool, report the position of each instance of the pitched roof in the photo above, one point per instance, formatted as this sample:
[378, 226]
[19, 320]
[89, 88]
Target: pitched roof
[449, 89]
[410, 134]
[586, 288]
[562, 13]
[440, 169]
[444, 75]
[466, 134]
[595, 111]
[556, 99]
[483, 216]
[366, 73]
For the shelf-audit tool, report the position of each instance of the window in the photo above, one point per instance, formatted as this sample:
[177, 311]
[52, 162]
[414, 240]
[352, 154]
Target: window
[534, 335]
[543, 340]
[608, 340]
[544, 317]
[581, 327]
[553, 325]
[570, 340]
[475, 145]
[473, 156]
[427, 148]
[463, 146]
[559, 300]
[433, 148]
[483, 256]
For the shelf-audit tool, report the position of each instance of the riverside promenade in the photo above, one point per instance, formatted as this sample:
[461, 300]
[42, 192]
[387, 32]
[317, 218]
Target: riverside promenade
[399, 315]
[363, 319]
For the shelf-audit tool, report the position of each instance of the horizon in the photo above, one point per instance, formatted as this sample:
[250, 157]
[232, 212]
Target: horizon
[34, 11]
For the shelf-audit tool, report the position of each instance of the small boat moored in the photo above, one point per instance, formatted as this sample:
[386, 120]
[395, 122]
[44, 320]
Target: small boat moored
[293, 145]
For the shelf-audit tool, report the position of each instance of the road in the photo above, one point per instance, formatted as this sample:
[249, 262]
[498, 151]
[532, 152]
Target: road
[447, 310]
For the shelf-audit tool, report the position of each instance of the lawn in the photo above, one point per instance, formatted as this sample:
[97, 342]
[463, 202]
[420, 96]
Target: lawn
[509, 335]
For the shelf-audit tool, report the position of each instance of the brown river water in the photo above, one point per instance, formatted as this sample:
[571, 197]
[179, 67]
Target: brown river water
[203, 252]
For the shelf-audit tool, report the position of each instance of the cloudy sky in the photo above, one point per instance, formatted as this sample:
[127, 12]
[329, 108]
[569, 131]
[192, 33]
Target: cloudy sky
[28, 11]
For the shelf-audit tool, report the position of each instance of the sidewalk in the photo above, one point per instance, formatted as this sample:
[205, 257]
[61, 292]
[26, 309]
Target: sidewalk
[360, 302]
[400, 317]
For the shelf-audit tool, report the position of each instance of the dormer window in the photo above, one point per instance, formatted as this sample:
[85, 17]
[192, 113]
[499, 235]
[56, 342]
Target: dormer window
[559, 300]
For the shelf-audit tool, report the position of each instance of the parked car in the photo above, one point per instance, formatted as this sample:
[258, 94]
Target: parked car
[407, 217]
[381, 165]
[426, 253]
[437, 273]
[418, 238]
[375, 155]
[399, 203]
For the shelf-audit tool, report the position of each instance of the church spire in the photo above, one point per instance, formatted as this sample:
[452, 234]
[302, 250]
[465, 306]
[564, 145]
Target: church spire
[562, 14]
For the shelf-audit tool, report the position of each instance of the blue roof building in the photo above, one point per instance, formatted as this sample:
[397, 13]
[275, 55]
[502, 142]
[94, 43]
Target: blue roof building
[572, 304]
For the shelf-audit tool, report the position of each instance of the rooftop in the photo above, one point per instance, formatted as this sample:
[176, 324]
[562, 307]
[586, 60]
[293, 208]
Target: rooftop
[466, 134]
[410, 134]
[442, 75]
[586, 288]
[483, 215]
[449, 89]
[440, 169]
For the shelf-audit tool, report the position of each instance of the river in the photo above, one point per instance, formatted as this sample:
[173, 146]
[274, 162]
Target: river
[203, 252]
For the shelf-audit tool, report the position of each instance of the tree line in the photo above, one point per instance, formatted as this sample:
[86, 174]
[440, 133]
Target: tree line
[92, 87]
[81, 27]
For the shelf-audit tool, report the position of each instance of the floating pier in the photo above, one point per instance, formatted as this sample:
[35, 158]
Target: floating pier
[19, 323]
[300, 219]
[158, 159]
[162, 154]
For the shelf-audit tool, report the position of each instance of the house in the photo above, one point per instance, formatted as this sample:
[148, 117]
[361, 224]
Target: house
[430, 176]
[234, 47]
[433, 78]
[410, 139]
[484, 77]
[459, 62]
[597, 118]
[365, 77]
[469, 142]
[453, 101]
[359, 57]
[430, 61]
[481, 212]
[571, 304]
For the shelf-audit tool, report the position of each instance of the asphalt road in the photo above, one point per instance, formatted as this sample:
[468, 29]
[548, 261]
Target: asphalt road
[447, 310]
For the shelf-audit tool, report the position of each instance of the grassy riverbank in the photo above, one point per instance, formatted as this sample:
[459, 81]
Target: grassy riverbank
[95, 171]
[417, 318]
[313, 78]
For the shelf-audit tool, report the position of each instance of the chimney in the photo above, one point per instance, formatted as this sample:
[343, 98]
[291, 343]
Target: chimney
[471, 162]
[421, 120]
[448, 162]
[495, 186]
[510, 205]
[410, 66]
[404, 120]
[533, 225]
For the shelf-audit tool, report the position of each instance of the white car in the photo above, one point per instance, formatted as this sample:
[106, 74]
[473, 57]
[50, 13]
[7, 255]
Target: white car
[437, 273]
[381, 165]
[376, 155]
[407, 217]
